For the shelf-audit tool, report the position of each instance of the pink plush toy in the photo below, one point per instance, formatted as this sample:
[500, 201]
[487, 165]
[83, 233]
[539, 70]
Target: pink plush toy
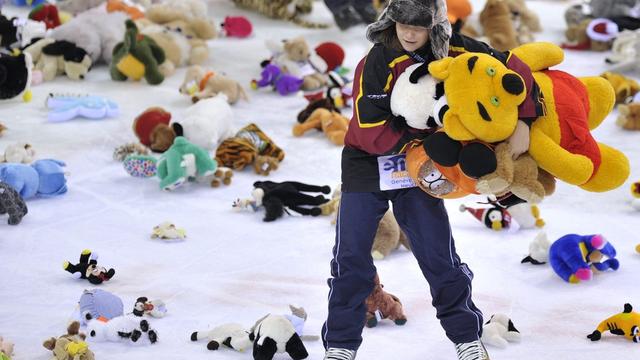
[237, 26]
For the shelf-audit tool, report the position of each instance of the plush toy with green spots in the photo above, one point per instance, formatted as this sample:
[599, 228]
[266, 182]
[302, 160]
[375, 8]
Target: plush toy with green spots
[184, 161]
[136, 57]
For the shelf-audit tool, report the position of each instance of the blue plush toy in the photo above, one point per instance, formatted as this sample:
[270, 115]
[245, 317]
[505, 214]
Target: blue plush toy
[44, 178]
[29, 2]
[96, 304]
[63, 108]
[574, 257]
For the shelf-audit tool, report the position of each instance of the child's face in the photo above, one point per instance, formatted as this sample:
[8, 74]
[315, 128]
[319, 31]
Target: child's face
[412, 37]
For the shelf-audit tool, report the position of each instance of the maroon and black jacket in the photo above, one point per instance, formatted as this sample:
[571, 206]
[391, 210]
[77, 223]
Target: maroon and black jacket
[374, 130]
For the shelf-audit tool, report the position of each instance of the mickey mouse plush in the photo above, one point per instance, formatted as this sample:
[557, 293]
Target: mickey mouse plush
[88, 268]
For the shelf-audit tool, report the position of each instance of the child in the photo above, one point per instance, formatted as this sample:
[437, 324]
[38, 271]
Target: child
[408, 31]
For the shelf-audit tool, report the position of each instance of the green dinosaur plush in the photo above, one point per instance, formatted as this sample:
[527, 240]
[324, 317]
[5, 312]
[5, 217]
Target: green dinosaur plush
[136, 57]
[184, 161]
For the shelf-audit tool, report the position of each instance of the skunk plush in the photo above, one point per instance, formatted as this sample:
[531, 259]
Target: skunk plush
[276, 334]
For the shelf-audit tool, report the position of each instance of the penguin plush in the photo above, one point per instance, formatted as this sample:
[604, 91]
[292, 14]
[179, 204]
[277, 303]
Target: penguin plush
[275, 334]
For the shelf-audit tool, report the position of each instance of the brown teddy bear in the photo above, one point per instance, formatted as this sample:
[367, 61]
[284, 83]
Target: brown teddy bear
[294, 57]
[496, 22]
[528, 18]
[70, 346]
[382, 305]
[332, 123]
[622, 85]
[201, 84]
[629, 116]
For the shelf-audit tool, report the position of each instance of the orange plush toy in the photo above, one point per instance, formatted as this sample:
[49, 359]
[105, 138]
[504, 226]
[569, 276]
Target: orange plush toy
[118, 5]
[458, 10]
[332, 123]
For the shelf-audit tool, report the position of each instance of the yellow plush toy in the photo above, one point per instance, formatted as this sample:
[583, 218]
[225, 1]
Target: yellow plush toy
[561, 141]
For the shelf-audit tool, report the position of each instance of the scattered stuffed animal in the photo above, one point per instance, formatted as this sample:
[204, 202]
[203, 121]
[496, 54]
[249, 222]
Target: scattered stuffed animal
[16, 33]
[275, 334]
[133, 12]
[183, 161]
[538, 250]
[623, 86]
[2, 129]
[168, 231]
[331, 123]
[167, 10]
[121, 152]
[625, 324]
[389, 237]
[136, 57]
[141, 166]
[458, 10]
[409, 99]
[121, 328]
[293, 57]
[208, 122]
[237, 26]
[107, 30]
[497, 25]
[231, 335]
[46, 13]
[496, 217]
[277, 197]
[250, 146]
[613, 8]
[153, 130]
[591, 165]
[635, 192]
[526, 215]
[18, 153]
[575, 257]
[579, 39]
[499, 331]
[323, 103]
[87, 268]
[12, 204]
[331, 208]
[43, 178]
[58, 57]
[287, 10]
[98, 304]
[624, 51]
[382, 305]
[15, 76]
[6, 349]
[273, 76]
[629, 116]
[201, 84]
[298, 318]
[153, 308]
[528, 17]
[65, 108]
[70, 346]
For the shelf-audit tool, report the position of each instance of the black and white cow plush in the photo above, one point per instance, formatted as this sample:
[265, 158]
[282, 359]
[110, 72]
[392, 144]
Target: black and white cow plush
[275, 334]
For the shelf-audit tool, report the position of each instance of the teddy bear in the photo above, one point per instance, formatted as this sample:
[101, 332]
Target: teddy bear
[201, 84]
[294, 57]
[18, 153]
[136, 57]
[43, 178]
[382, 305]
[575, 258]
[496, 22]
[275, 197]
[250, 146]
[499, 331]
[231, 335]
[121, 329]
[87, 268]
[331, 123]
[107, 30]
[624, 87]
[12, 204]
[629, 116]
[184, 161]
[6, 349]
[272, 75]
[583, 36]
[528, 17]
[624, 324]
[70, 346]
[572, 156]
[154, 308]
[57, 57]
[274, 334]
[15, 76]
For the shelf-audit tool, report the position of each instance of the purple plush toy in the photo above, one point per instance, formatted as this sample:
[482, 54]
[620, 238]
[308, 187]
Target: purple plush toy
[285, 84]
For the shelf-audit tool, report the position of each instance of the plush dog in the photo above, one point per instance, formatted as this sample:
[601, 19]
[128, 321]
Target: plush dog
[624, 324]
[70, 346]
[43, 178]
[572, 156]
[250, 146]
[575, 257]
[184, 161]
[231, 335]
[87, 268]
[497, 25]
[201, 84]
[12, 204]
[275, 334]
[382, 305]
[15, 76]
[60, 57]
[332, 124]
[629, 116]
[624, 87]
[136, 57]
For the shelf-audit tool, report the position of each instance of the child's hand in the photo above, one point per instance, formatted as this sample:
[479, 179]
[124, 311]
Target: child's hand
[519, 140]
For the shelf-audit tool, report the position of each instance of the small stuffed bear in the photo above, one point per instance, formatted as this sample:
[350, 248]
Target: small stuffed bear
[201, 84]
[497, 25]
[333, 124]
[12, 204]
[294, 57]
[324, 103]
[382, 305]
[231, 335]
[153, 130]
[70, 346]
[19, 153]
[624, 324]
[499, 331]
[87, 268]
[167, 230]
[629, 116]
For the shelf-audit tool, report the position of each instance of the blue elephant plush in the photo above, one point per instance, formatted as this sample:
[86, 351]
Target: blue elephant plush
[43, 178]
[574, 257]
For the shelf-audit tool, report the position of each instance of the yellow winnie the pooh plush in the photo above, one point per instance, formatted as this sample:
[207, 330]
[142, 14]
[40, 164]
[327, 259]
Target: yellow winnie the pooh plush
[561, 141]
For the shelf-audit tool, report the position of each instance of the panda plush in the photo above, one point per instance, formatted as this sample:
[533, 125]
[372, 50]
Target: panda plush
[15, 76]
[275, 334]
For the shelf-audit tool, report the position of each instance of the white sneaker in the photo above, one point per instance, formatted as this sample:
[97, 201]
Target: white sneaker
[339, 354]
[472, 351]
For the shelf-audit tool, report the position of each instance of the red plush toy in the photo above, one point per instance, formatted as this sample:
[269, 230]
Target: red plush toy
[146, 122]
[332, 54]
[46, 13]
[237, 26]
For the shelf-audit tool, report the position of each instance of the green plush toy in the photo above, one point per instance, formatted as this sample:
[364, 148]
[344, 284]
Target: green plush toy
[136, 57]
[184, 161]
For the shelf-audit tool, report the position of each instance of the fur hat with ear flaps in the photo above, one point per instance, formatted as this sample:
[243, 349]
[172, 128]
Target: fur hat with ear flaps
[431, 14]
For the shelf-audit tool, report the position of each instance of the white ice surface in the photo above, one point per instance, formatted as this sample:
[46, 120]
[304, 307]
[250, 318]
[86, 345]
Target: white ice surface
[235, 268]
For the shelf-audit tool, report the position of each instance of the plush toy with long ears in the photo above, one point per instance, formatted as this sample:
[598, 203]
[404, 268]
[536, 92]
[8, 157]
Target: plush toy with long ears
[575, 257]
[626, 324]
